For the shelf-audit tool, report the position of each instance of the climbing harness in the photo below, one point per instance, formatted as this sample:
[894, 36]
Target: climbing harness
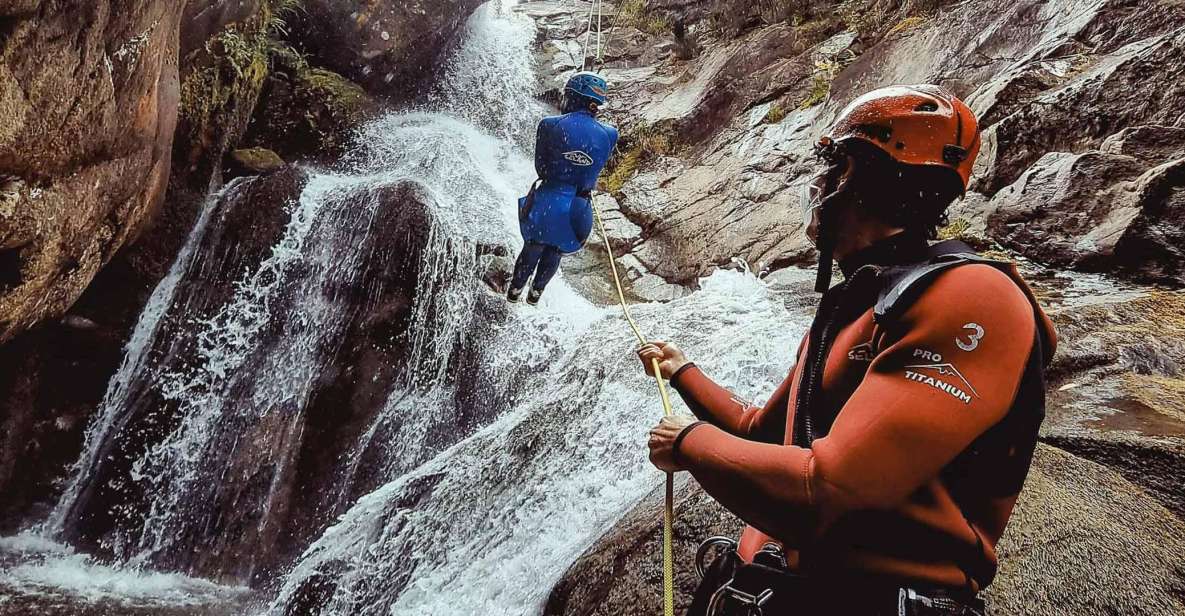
[668, 517]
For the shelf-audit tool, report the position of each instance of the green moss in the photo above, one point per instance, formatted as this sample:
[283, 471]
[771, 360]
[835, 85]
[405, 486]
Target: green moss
[776, 114]
[907, 24]
[258, 159]
[635, 13]
[960, 229]
[637, 147]
[820, 88]
[955, 230]
[220, 92]
[344, 98]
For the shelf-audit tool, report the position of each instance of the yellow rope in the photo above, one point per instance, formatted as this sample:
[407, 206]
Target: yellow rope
[668, 514]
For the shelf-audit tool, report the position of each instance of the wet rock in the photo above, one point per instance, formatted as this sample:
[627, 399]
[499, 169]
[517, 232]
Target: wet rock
[41, 421]
[256, 160]
[622, 572]
[244, 225]
[386, 46]
[1072, 516]
[84, 140]
[308, 113]
[1117, 394]
[497, 271]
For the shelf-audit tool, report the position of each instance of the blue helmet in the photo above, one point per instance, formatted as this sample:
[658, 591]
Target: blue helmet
[589, 85]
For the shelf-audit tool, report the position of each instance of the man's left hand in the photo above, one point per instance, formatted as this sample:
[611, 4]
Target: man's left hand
[662, 441]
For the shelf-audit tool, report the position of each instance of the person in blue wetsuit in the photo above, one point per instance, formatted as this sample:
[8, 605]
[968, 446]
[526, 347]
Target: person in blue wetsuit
[556, 216]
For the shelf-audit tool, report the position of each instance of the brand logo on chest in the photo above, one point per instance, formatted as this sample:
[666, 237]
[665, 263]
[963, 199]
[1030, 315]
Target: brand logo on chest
[576, 157]
[862, 353]
[940, 375]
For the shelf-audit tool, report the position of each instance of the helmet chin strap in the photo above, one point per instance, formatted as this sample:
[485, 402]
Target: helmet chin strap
[826, 247]
[827, 226]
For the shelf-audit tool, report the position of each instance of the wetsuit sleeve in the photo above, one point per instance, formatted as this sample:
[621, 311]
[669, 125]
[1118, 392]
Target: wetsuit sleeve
[951, 374]
[720, 407]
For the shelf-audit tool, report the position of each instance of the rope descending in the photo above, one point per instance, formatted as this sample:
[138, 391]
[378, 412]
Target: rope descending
[668, 517]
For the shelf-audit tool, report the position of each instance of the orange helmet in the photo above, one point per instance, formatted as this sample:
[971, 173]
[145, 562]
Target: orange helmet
[915, 125]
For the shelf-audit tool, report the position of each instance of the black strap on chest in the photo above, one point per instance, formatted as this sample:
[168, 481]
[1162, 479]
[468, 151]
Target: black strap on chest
[902, 285]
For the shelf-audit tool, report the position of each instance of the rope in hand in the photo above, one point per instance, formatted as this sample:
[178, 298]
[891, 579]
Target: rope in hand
[668, 517]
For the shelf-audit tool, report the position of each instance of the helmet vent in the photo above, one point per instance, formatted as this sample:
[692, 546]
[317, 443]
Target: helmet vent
[928, 106]
[953, 154]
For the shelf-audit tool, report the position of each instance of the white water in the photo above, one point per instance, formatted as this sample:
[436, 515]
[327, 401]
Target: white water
[52, 571]
[489, 523]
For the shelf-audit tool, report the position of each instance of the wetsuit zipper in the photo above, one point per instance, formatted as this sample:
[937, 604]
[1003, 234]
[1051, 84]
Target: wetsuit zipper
[812, 373]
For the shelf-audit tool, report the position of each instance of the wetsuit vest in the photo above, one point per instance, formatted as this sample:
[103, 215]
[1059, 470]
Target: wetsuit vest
[570, 152]
[895, 449]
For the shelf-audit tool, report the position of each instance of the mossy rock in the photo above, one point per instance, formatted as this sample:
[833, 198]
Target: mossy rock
[257, 160]
[308, 113]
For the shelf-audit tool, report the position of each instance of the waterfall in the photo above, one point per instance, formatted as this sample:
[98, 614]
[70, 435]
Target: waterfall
[453, 465]
[488, 525]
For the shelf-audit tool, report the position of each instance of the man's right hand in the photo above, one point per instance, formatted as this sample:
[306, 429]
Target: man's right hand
[670, 358]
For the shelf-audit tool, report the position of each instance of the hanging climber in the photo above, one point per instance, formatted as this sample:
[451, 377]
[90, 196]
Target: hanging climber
[880, 475]
[556, 216]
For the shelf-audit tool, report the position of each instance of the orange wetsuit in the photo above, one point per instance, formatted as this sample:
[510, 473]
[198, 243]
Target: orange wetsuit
[900, 464]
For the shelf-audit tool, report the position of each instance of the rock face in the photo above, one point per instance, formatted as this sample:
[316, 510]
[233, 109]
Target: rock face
[244, 226]
[387, 46]
[1060, 88]
[1073, 516]
[85, 143]
[367, 256]
[1121, 207]
[1117, 394]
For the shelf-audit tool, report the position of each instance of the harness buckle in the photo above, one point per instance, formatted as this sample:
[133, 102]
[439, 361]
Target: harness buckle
[738, 602]
[701, 554]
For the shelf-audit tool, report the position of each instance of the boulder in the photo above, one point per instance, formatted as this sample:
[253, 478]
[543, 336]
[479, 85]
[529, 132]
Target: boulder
[244, 223]
[256, 160]
[1117, 392]
[386, 46]
[1118, 208]
[85, 143]
[308, 113]
[1082, 541]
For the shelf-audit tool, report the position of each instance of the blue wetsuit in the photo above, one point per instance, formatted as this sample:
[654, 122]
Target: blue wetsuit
[556, 217]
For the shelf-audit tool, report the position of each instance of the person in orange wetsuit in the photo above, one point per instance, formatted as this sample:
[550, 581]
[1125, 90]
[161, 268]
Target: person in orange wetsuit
[880, 475]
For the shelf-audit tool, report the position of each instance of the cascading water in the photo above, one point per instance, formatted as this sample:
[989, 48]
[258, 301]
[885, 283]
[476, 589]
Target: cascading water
[497, 443]
[486, 526]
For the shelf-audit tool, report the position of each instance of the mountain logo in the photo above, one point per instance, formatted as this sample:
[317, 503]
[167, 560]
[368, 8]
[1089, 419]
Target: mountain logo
[914, 373]
[576, 157]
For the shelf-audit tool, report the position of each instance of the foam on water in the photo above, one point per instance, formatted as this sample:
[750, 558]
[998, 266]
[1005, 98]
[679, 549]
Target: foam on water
[533, 489]
[49, 569]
